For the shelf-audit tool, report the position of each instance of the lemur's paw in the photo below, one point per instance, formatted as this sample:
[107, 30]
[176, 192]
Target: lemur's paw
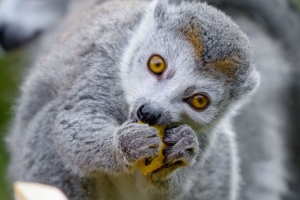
[182, 147]
[137, 141]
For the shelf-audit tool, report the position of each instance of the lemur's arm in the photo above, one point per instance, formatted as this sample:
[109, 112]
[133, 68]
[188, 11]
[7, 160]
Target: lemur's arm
[88, 135]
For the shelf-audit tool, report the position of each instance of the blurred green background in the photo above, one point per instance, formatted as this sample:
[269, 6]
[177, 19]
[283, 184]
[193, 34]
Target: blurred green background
[11, 70]
[10, 76]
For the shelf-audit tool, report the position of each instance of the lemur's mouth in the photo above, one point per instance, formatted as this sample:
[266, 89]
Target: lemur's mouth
[167, 166]
[157, 170]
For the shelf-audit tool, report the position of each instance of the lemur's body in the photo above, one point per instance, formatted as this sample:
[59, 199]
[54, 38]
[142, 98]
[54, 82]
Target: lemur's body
[72, 127]
[271, 121]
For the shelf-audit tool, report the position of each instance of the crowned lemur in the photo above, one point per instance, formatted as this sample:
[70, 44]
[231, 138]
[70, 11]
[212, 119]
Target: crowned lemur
[185, 66]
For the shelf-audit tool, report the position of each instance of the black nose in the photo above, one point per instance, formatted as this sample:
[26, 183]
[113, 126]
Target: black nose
[147, 114]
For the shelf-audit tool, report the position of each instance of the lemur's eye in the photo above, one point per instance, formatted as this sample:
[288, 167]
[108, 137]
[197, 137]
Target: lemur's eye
[199, 101]
[157, 64]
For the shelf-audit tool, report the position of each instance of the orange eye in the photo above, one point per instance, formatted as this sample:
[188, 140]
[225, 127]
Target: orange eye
[157, 64]
[199, 101]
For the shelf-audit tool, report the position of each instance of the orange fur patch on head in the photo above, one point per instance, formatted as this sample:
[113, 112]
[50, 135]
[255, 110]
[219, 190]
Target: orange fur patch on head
[218, 68]
[192, 34]
[227, 66]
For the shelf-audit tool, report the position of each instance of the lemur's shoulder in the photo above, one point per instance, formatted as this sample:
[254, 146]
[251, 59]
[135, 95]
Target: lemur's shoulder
[87, 30]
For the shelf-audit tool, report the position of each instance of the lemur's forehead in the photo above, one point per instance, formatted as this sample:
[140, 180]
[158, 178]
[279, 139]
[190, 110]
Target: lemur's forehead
[218, 45]
[221, 63]
[192, 33]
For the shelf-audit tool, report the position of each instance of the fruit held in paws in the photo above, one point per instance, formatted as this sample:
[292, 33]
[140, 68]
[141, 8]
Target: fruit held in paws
[157, 162]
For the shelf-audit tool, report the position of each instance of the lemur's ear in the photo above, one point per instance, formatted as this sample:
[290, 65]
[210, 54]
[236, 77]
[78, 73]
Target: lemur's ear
[160, 10]
[251, 84]
[254, 81]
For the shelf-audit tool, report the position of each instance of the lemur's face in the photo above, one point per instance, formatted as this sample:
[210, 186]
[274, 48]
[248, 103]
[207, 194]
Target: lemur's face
[22, 20]
[186, 69]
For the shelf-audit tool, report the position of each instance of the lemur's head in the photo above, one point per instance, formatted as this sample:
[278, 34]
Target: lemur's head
[187, 63]
[23, 20]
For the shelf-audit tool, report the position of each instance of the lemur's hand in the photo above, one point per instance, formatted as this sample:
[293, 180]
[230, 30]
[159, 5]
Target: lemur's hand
[137, 141]
[182, 147]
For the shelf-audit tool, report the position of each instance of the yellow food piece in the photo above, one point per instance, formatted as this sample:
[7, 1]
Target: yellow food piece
[158, 161]
[37, 191]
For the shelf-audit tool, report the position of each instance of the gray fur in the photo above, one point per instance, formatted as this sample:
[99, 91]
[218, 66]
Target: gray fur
[265, 120]
[274, 114]
[72, 127]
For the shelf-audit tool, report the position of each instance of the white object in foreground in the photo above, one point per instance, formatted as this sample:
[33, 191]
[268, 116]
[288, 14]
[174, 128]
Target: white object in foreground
[37, 191]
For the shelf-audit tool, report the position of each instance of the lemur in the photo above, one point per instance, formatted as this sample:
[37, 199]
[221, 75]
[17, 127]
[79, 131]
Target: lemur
[187, 67]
